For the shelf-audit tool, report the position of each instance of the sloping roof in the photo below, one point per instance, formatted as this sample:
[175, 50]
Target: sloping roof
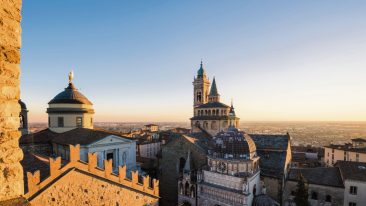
[42, 137]
[327, 176]
[70, 96]
[269, 141]
[272, 163]
[213, 104]
[352, 170]
[213, 90]
[82, 136]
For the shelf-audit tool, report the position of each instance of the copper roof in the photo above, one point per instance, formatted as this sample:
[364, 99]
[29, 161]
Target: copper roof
[213, 104]
[70, 96]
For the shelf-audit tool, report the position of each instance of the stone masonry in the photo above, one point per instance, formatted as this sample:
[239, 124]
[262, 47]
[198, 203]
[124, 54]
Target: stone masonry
[11, 174]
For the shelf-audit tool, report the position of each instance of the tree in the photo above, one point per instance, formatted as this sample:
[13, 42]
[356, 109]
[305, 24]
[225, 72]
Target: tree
[301, 193]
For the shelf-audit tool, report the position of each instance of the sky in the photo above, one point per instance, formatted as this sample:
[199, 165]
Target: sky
[135, 60]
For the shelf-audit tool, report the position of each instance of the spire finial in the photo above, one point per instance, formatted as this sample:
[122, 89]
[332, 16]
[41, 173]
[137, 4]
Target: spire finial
[71, 76]
[232, 102]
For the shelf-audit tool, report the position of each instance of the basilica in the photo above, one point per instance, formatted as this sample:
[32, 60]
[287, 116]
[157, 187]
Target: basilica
[217, 163]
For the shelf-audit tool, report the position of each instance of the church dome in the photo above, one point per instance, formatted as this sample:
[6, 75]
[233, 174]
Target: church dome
[234, 144]
[70, 96]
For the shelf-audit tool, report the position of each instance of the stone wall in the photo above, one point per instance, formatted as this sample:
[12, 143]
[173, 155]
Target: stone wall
[83, 183]
[322, 191]
[171, 154]
[11, 173]
[79, 188]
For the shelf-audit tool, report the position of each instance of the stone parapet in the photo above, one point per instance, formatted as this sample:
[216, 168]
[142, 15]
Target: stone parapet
[35, 184]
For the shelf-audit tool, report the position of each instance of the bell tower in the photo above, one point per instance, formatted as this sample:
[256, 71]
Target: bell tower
[201, 86]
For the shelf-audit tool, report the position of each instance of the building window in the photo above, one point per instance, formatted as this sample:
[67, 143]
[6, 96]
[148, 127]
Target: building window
[91, 121]
[314, 195]
[328, 198]
[351, 204]
[49, 121]
[292, 193]
[79, 121]
[60, 122]
[353, 190]
[357, 157]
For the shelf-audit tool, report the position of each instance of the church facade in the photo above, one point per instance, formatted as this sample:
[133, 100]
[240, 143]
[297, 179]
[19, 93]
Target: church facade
[209, 113]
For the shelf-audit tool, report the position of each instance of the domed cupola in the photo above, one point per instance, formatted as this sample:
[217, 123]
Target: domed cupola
[70, 109]
[201, 71]
[70, 96]
[234, 144]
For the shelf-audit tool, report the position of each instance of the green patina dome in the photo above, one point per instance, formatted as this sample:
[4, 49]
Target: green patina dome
[201, 71]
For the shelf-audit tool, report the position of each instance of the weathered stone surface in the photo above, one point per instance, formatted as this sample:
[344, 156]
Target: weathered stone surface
[11, 174]
[78, 188]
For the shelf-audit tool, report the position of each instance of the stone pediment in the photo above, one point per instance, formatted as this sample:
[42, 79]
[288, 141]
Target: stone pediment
[111, 139]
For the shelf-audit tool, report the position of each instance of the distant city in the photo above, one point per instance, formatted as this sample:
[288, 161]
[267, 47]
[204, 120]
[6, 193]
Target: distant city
[302, 133]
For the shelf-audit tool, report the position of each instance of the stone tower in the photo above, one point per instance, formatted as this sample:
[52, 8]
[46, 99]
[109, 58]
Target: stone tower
[201, 86]
[70, 109]
[11, 172]
[209, 113]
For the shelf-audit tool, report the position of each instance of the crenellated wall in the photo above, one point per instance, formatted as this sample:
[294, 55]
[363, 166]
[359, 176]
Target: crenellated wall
[81, 183]
[11, 172]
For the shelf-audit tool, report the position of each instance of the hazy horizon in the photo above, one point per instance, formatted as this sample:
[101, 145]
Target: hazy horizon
[279, 60]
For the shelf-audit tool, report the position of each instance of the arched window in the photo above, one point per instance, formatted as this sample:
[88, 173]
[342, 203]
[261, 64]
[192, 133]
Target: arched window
[254, 190]
[213, 125]
[198, 124]
[181, 188]
[314, 195]
[22, 123]
[193, 192]
[186, 189]
[205, 125]
[199, 112]
[213, 112]
[328, 198]
[209, 113]
[206, 112]
[199, 96]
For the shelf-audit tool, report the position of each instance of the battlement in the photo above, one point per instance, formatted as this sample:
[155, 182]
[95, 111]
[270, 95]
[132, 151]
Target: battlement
[56, 169]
